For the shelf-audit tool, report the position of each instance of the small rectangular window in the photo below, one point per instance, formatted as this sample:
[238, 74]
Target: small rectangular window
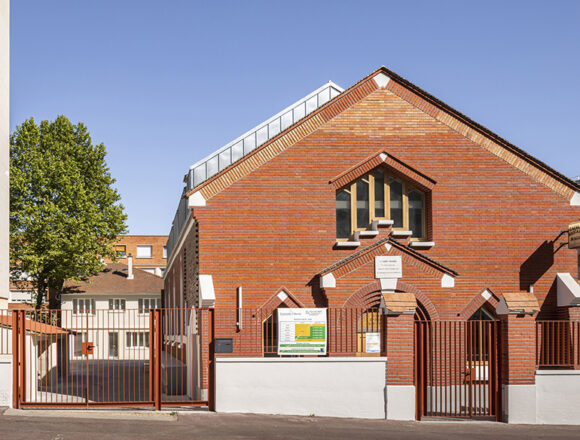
[83, 306]
[114, 344]
[117, 304]
[121, 251]
[362, 204]
[416, 213]
[379, 193]
[343, 214]
[137, 339]
[396, 198]
[144, 251]
[165, 252]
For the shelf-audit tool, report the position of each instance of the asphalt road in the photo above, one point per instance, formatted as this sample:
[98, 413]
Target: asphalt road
[200, 425]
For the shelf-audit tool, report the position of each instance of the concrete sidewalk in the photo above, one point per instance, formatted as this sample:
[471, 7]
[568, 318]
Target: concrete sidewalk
[206, 425]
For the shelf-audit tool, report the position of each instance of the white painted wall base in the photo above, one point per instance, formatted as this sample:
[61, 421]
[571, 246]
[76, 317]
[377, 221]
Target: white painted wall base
[400, 402]
[332, 387]
[5, 380]
[558, 397]
[519, 404]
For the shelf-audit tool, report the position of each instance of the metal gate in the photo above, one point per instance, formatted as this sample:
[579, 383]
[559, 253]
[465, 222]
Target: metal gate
[458, 369]
[111, 358]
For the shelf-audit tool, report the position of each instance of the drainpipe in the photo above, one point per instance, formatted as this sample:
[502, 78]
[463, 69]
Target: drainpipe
[130, 270]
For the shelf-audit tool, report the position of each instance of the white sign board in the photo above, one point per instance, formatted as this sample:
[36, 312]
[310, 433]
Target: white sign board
[373, 342]
[301, 331]
[388, 267]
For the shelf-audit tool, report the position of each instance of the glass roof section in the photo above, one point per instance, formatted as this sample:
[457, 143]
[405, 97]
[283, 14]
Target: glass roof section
[202, 170]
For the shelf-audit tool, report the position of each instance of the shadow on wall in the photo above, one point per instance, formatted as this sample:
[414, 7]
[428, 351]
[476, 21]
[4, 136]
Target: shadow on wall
[536, 265]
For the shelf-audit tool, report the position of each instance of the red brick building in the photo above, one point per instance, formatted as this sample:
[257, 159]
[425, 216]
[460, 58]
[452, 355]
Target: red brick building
[384, 169]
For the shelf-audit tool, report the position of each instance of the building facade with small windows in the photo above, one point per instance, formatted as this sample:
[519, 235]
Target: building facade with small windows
[149, 252]
[383, 173]
[111, 312]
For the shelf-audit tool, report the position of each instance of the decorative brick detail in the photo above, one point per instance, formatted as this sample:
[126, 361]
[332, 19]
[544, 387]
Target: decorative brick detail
[478, 301]
[401, 169]
[368, 254]
[274, 302]
[421, 298]
[366, 297]
[484, 141]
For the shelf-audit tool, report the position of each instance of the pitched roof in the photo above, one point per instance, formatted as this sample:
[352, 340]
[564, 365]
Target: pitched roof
[113, 279]
[385, 78]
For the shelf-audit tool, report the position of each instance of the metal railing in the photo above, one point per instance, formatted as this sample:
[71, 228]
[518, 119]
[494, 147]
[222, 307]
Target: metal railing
[246, 143]
[5, 332]
[558, 344]
[255, 332]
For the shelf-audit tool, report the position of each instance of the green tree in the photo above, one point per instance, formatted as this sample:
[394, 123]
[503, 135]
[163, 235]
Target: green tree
[64, 213]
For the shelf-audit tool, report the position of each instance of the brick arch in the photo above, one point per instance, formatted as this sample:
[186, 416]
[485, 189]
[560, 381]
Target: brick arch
[370, 296]
[421, 298]
[366, 297]
[478, 301]
[275, 301]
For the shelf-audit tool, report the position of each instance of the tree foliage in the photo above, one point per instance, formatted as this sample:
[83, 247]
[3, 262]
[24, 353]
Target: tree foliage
[64, 213]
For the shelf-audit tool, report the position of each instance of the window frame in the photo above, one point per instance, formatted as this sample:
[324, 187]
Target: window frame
[144, 246]
[388, 178]
[82, 310]
[117, 304]
[121, 251]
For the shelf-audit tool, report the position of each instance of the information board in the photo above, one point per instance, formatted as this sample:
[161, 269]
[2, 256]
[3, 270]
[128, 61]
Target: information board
[372, 342]
[301, 331]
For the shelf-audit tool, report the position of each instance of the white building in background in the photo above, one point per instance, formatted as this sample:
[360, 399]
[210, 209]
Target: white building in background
[110, 313]
[4, 150]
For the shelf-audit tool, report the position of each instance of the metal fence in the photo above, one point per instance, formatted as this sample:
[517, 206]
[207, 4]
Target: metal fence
[5, 332]
[255, 332]
[458, 369]
[558, 344]
[88, 357]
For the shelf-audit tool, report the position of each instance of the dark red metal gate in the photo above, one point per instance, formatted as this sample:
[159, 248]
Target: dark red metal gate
[458, 369]
[110, 358]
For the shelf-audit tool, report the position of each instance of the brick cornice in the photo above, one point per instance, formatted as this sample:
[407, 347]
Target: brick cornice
[477, 301]
[379, 158]
[387, 246]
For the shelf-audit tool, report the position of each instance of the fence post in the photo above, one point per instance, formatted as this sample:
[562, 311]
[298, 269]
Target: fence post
[15, 360]
[158, 342]
[211, 369]
[151, 355]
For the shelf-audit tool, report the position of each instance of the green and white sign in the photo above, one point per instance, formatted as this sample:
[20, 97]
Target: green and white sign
[301, 331]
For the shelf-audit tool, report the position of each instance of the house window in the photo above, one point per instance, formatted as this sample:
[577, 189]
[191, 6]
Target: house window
[121, 251]
[83, 306]
[147, 304]
[379, 196]
[78, 340]
[137, 339]
[114, 344]
[116, 304]
[144, 251]
[165, 252]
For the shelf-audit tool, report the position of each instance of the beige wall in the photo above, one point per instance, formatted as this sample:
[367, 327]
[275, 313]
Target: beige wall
[4, 147]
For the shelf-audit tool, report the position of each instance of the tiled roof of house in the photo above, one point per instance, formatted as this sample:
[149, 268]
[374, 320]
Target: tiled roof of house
[113, 279]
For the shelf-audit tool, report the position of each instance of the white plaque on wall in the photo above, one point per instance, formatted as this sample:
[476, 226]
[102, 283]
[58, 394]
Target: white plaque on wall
[388, 267]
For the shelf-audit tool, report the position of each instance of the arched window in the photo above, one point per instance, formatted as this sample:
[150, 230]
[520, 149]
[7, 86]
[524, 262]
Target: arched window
[377, 196]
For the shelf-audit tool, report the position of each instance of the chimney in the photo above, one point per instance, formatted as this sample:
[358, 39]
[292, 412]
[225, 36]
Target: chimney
[130, 270]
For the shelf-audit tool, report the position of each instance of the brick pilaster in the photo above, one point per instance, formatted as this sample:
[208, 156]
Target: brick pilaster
[518, 349]
[400, 349]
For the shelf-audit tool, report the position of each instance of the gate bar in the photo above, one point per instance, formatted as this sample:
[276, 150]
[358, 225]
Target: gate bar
[15, 361]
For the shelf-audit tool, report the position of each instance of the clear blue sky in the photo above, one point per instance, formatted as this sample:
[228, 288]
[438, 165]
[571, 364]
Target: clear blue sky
[162, 84]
